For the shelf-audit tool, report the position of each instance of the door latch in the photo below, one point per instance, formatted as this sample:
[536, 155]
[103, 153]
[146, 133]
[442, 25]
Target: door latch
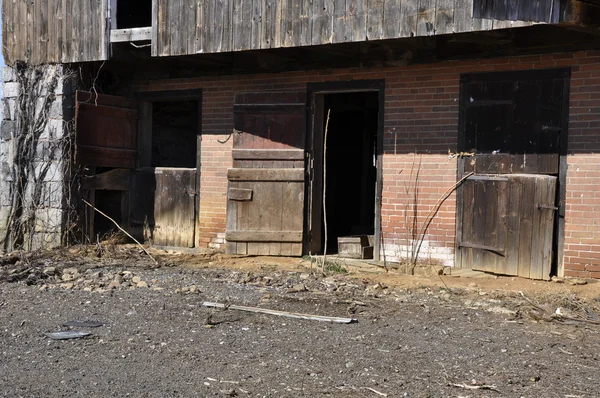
[553, 208]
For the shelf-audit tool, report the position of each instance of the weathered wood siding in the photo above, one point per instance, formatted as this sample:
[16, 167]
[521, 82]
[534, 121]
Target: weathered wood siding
[213, 26]
[54, 31]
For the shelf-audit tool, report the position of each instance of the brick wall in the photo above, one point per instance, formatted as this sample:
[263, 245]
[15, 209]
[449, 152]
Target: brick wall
[421, 119]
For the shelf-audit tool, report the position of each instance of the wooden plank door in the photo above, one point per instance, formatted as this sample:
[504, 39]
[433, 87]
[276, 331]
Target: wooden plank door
[265, 202]
[106, 130]
[507, 224]
[174, 207]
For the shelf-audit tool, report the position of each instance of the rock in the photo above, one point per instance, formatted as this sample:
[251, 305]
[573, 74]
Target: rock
[88, 289]
[68, 286]
[75, 250]
[304, 276]
[136, 279]
[43, 288]
[556, 279]
[118, 279]
[70, 271]
[194, 289]
[472, 284]
[300, 287]
[68, 277]
[349, 365]
[49, 271]
[576, 281]
[142, 284]
[113, 285]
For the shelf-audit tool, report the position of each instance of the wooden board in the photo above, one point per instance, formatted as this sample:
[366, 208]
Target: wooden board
[174, 207]
[113, 180]
[261, 24]
[52, 31]
[507, 224]
[265, 207]
[106, 130]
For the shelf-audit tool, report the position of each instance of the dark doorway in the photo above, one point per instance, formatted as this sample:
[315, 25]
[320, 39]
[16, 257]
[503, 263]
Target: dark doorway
[174, 134]
[350, 165]
[133, 14]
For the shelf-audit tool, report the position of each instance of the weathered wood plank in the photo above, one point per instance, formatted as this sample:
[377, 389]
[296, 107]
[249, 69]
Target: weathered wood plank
[356, 20]
[265, 174]
[264, 236]
[306, 28]
[408, 23]
[513, 227]
[132, 34]
[243, 25]
[392, 19]
[226, 25]
[339, 21]
[189, 10]
[239, 194]
[256, 24]
[444, 17]
[115, 180]
[526, 225]
[268, 154]
[426, 18]
[375, 16]
[322, 17]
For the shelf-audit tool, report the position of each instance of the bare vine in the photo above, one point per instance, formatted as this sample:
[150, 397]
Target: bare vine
[38, 150]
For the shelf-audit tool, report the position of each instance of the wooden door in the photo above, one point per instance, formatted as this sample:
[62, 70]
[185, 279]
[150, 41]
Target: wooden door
[265, 201]
[106, 130]
[507, 224]
[163, 211]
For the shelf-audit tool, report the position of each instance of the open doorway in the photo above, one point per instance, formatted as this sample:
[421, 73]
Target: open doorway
[345, 166]
[167, 180]
[128, 14]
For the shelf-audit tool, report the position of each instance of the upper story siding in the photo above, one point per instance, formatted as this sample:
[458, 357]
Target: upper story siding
[64, 31]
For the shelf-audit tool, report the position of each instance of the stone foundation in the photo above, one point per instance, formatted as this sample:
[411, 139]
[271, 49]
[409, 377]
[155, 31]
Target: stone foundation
[42, 118]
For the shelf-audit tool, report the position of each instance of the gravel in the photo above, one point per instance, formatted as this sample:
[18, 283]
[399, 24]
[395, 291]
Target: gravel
[159, 341]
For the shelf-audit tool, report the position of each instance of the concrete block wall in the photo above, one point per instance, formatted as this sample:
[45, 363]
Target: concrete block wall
[421, 125]
[49, 159]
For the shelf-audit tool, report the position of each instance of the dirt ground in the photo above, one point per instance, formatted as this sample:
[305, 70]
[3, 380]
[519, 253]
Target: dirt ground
[430, 336]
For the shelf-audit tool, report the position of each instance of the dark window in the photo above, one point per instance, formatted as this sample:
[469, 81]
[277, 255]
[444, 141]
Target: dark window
[134, 14]
[512, 113]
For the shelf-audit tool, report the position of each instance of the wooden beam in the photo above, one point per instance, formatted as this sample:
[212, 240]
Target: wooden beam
[264, 236]
[239, 194]
[268, 154]
[129, 35]
[114, 180]
[265, 174]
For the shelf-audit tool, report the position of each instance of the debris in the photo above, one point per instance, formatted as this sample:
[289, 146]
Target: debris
[49, 271]
[67, 335]
[83, 324]
[281, 313]
[125, 232]
[376, 392]
[475, 387]
[300, 287]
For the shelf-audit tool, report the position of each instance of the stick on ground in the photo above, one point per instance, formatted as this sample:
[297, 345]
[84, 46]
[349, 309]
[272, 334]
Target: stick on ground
[281, 313]
[125, 232]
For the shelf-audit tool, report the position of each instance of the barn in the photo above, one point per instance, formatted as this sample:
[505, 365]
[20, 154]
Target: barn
[458, 132]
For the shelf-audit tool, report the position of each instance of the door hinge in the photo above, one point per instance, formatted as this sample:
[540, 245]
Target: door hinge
[553, 208]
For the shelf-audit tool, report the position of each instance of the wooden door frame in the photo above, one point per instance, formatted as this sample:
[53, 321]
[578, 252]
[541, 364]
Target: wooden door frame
[340, 87]
[561, 192]
[145, 101]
